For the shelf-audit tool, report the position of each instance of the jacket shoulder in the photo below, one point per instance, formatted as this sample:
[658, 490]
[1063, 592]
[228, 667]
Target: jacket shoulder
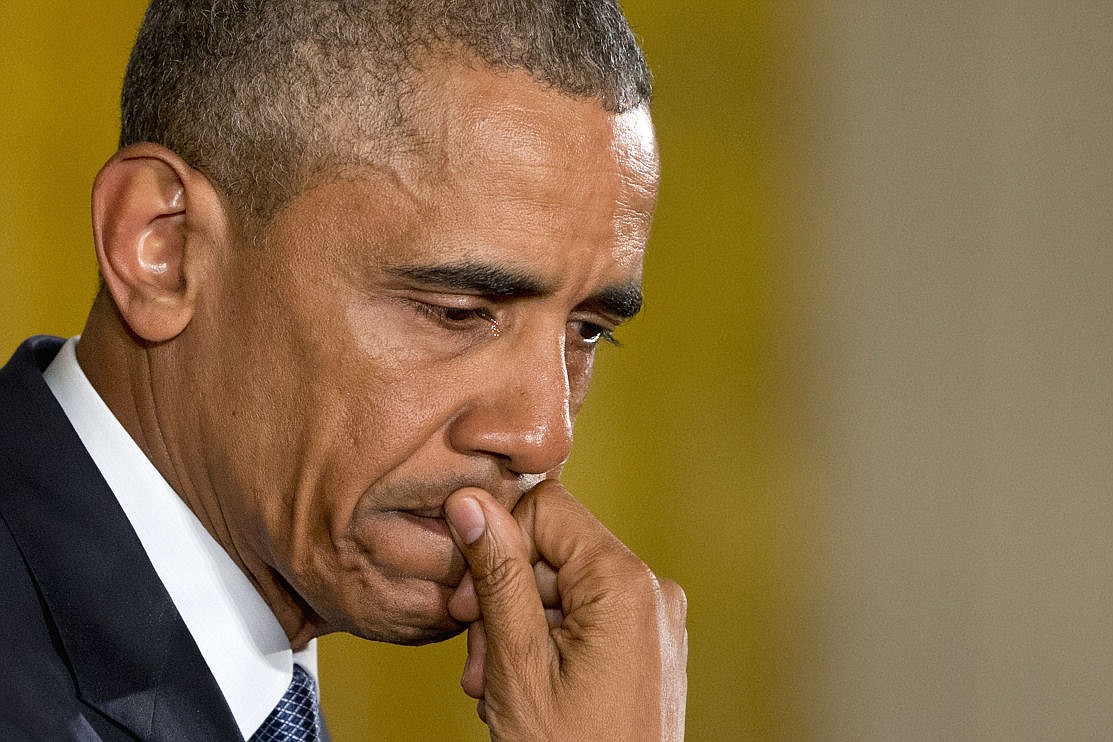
[36, 683]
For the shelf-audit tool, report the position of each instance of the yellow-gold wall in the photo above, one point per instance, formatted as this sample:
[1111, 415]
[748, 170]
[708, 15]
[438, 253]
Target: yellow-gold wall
[680, 450]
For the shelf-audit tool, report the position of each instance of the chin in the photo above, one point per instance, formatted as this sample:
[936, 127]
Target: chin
[429, 636]
[409, 617]
[412, 634]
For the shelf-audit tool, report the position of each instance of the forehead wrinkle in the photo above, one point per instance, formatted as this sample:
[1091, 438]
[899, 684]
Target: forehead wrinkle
[453, 129]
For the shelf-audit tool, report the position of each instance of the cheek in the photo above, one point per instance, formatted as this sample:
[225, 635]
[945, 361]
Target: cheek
[580, 368]
[316, 403]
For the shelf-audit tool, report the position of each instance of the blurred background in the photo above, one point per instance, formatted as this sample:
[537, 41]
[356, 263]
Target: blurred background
[867, 417]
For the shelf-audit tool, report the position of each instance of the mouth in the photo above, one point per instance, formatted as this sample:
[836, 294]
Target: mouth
[430, 519]
[436, 512]
[411, 544]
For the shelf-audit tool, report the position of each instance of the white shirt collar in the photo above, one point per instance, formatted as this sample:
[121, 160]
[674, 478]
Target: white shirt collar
[238, 635]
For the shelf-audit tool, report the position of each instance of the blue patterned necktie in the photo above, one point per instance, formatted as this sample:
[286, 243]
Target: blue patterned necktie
[296, 718]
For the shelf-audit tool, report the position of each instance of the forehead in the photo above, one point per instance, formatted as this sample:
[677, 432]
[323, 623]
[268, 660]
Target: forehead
[523, 151]
[500, 170]
[461, 110]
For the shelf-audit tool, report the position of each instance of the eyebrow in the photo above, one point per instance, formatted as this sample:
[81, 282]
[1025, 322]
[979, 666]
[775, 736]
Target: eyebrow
[622, 301]
[478, 278]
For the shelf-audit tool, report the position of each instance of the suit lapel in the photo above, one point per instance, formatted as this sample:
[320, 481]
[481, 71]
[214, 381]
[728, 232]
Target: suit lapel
[132, 656]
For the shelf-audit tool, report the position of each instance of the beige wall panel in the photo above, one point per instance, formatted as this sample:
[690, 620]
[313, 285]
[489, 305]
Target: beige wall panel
[955, 323]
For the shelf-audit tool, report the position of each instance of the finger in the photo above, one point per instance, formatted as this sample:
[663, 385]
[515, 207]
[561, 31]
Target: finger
[676, 618]
[503, 579]
[464, 605]
[472, 680]
[675, 604]
[546, 578]
[673, 653]
[559, 529]
[609, 598]
[554, 617]
[674, 631]
[584, 557]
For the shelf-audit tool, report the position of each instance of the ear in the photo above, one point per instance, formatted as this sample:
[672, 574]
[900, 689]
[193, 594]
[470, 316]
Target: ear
[150, 211]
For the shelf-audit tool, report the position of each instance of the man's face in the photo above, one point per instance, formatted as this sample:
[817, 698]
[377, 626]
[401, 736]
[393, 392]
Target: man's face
[407, 330]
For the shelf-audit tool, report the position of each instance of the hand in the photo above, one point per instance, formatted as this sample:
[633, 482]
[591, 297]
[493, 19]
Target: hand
[572, 637]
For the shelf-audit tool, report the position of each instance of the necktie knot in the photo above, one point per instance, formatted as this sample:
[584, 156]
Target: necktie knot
[296, 718]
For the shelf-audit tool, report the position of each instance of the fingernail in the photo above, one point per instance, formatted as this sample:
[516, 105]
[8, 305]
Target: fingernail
[465, 515]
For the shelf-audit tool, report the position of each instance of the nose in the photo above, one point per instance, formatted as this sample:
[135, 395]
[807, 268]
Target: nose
[520, 412]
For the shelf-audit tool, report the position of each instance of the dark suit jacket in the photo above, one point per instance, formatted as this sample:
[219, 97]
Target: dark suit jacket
[91, 646]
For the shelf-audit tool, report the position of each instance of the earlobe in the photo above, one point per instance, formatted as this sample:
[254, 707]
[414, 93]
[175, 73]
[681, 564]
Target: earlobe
[141, 207]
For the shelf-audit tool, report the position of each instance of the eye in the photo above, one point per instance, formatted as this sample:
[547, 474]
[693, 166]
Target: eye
[457, 317]
[591, 333]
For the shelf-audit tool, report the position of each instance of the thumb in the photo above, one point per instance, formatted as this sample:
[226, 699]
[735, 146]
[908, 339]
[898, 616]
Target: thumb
[498, 557]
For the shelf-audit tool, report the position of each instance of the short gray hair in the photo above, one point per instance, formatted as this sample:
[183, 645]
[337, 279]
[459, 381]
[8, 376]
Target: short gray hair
[250, 91]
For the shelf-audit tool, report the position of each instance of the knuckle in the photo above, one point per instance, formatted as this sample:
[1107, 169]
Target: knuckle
[498, 571]
[633, 589]
[501, 578]
[641, 578]
[675, 597]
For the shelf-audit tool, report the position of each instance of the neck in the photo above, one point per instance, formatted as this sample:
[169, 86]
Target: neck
[124, 370]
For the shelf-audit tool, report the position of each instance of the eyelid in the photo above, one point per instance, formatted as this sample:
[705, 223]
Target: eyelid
[477, 320]
[596, 318]
[606, 327]
[437, 307]
[479, 310]
[451, 300]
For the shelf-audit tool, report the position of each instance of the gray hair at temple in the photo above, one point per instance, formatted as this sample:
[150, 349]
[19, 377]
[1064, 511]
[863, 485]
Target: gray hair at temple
[264, 96]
